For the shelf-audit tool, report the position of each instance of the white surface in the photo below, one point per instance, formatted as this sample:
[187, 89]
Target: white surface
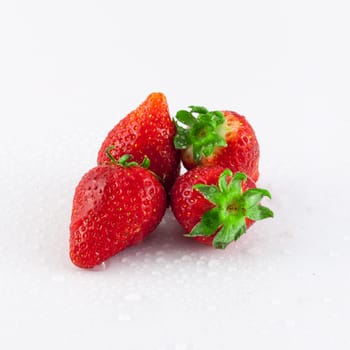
[69, 70]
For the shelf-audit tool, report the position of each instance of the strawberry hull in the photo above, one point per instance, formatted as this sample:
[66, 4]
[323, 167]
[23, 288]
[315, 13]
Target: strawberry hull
[217, 138]
[215, 206]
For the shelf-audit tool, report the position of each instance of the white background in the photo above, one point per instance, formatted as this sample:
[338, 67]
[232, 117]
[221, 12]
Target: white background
[69, 70]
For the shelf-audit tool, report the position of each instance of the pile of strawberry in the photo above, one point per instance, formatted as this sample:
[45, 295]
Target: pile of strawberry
[123, 199]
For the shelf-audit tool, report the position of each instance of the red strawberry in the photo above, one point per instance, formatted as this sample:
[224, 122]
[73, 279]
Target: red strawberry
[147, 131]
[217, 138]
[216, 207]
[114, 206]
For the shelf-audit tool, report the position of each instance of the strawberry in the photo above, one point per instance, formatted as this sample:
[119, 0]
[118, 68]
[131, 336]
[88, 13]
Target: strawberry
[147, 131]
[114, 206]
[222, 138]
[216, 206]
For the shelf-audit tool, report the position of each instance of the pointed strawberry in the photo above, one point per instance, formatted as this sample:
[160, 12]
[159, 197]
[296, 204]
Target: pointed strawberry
[216, 206]
[222, 138]
[114, 206]
[147, 131]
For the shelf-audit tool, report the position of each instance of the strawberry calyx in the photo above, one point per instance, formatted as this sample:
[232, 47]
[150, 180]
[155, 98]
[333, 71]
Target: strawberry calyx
[232, 207]
[123, 160]
[200, 131]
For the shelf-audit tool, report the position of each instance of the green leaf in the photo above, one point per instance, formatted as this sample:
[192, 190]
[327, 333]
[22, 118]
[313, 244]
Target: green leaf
[222, 182]
[201, 131]
[109, 154]
[229, 233]
[253, 196]
[235, 185]
[217, 117]
[259, 212]
[240, 176]
[219, 114]
[220, 141]
[207, 150]
[208, 225]
[210, 192]
[145, 163]
[185, 117]
[123, 161]
[227, 220]
[205, 119]
[198, 109]
[181, 138]
[180, 141]
[197, 152]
